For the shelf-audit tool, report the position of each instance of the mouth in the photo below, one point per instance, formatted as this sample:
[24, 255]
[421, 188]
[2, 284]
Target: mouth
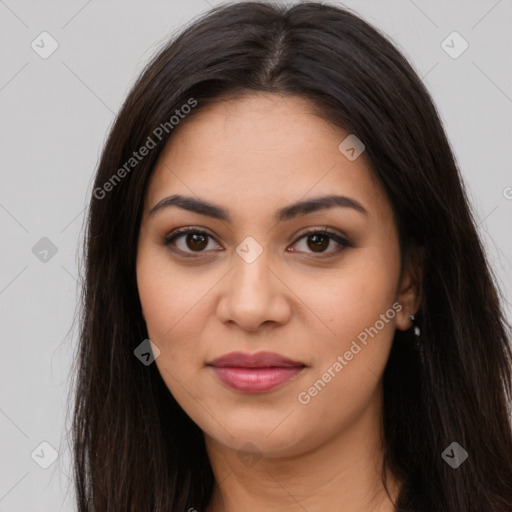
[255, 373]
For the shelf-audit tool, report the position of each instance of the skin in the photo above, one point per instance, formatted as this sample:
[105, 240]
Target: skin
[253, 155]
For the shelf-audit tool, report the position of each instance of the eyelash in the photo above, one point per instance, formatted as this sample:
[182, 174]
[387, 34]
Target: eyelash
[333, 235]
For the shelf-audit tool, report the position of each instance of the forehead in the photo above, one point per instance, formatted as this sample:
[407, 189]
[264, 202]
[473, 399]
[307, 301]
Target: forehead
[261, 150]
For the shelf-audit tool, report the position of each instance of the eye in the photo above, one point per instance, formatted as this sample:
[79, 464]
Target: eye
[194, 240]
[318, 240]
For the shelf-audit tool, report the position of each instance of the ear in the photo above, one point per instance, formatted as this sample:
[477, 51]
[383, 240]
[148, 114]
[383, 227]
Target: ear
[410, 286]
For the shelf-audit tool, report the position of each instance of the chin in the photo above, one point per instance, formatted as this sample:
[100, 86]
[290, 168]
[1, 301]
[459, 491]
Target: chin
[249, 436]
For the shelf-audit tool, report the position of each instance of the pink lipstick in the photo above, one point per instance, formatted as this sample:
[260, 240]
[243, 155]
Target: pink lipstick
[255, 373]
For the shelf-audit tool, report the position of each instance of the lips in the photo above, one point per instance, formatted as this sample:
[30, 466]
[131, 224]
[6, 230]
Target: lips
[258, 360]
[255, 373]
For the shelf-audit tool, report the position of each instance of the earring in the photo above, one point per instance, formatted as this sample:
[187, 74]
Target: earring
[417, 331]
[418, 345]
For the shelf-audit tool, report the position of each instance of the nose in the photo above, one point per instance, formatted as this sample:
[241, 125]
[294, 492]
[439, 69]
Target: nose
[254, 294]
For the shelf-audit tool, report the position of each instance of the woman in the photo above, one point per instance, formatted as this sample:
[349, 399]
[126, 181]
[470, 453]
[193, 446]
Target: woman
[287, 305]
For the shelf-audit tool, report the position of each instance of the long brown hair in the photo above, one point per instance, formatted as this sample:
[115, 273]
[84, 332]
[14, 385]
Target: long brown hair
[135, 449]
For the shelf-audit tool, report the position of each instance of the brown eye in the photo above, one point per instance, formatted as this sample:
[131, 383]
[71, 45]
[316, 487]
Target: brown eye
[196, 241]
[318, 241]
[188, 240]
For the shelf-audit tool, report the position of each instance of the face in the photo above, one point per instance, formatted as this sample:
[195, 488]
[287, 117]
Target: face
[317, 285]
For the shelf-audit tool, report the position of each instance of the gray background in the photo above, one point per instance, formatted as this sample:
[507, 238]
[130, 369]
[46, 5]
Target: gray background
[55, 113]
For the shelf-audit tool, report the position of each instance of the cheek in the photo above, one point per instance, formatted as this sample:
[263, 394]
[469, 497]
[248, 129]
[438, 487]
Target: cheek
[169, 298]
[351, 358]
[359, 310]
[175, 305]
[350, 302]
[172, 310]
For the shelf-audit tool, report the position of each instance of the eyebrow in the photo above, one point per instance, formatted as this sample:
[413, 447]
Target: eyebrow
[288, 212]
